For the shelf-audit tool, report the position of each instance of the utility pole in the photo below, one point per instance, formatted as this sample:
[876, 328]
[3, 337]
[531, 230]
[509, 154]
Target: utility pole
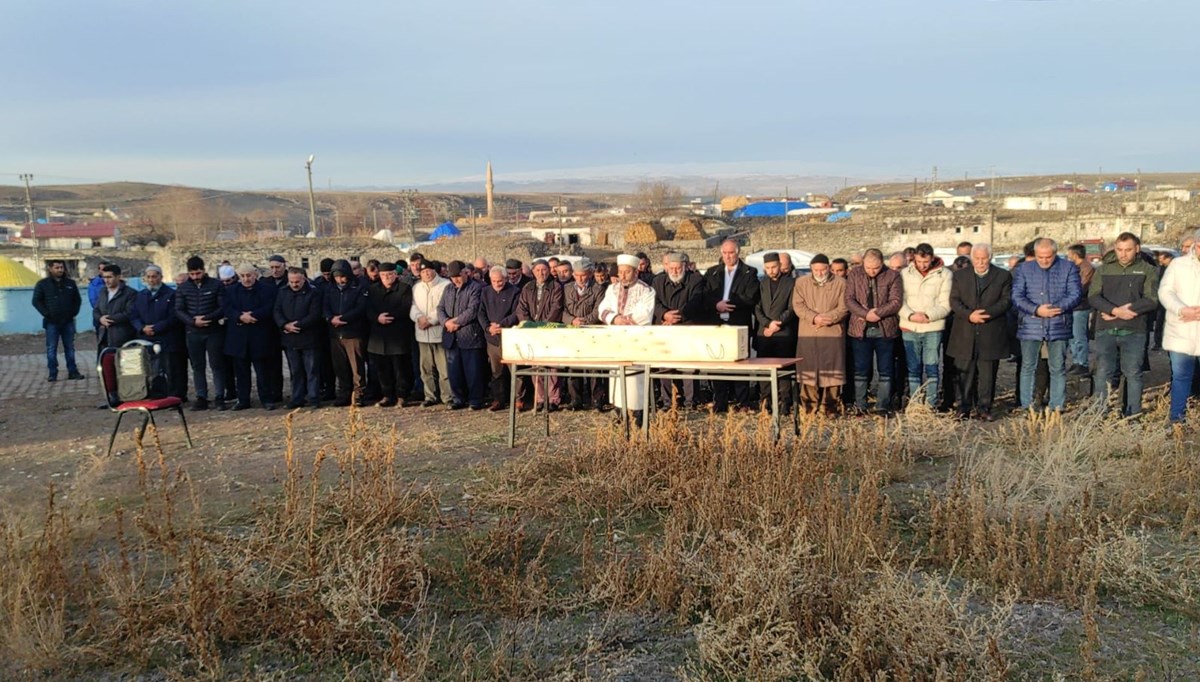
[29, 221]
[312, 202]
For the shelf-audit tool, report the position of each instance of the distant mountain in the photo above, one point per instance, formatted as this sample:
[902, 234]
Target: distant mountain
[753, 184]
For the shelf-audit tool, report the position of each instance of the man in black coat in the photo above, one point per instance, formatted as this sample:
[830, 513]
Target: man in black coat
[57, 299]
[199, 306]
[345, 309]
[249, 326]
[389, 302]
[776, 320]
[581, 304]
[462, 337]
[731, 292]
[678, 299]
[302, 334]
[113, 313]
[980, 297]
[155, 321]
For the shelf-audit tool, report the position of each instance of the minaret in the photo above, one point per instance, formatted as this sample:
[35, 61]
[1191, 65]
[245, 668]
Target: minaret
[490, 189]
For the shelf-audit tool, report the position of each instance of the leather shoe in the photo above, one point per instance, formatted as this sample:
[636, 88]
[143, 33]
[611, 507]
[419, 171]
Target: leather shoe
[429, 403]
[496, 406]
[344, 402]
[51, 378]
[985, 416]
[524, 407]
[200, 405]
[294, 405]
[75, 376]
[386, 402]
[476, 408]
[458, 406]
[238, 407]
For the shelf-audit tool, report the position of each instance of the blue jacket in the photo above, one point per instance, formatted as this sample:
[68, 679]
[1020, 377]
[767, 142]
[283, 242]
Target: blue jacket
[256, 340]
[158, 310]
[463, 306]
[1033, 286]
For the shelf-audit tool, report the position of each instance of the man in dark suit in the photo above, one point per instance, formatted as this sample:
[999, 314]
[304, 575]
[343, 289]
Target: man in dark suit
[249, 311]
[731, 292]
[980, 297]
[776, 321]
[581, 303]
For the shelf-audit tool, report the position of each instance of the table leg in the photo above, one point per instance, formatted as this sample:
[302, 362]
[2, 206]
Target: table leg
[775, 403]
[512, 406]
[546, 395]
[625, 411]
[648, 409]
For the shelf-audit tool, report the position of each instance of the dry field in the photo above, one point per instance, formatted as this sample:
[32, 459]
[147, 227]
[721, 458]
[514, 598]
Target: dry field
[376, 545]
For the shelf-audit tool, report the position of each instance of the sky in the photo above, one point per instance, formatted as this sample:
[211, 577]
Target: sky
[237, 94]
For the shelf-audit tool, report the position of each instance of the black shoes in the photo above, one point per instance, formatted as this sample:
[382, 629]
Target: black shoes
[429, 403]
[458, 406]
[237, 407]
[386, 402]
[200, 405]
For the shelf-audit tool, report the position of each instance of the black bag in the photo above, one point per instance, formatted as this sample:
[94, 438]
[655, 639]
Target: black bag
[140, 371]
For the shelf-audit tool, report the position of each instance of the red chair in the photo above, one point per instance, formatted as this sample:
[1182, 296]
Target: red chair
[106, 366]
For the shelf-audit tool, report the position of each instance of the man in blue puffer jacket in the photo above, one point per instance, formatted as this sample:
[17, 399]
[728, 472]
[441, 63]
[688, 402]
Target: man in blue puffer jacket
[1045, 291]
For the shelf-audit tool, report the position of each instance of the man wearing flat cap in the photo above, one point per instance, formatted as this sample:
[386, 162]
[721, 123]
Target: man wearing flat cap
[819, 303]
[516, 273]
[776, 321]
[678, 299]
[427, 294]
[463, 337]
[628, 302]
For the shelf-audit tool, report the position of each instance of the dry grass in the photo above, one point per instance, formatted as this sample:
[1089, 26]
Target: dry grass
[768, 560]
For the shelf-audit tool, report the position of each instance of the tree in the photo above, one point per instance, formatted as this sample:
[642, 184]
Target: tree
[656, 199]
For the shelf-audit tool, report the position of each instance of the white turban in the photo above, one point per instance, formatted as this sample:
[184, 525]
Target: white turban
[631, 261]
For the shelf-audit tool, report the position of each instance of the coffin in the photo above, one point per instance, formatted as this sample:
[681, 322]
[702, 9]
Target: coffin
[678, 343]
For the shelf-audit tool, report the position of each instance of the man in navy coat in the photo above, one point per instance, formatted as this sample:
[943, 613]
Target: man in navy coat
[249, 315]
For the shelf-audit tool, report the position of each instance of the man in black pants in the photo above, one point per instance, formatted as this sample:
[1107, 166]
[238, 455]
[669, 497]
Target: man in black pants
[199, 305]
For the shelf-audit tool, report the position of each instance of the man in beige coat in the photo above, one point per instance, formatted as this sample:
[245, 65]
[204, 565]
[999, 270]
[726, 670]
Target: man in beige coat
[819, 301]
[427, 293]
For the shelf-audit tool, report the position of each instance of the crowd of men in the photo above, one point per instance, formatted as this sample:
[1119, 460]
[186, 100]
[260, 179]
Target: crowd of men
[871, 331]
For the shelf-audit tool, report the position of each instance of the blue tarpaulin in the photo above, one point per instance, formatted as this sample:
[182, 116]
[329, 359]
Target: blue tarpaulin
[840, 215]
[446, 229]
[769, 209]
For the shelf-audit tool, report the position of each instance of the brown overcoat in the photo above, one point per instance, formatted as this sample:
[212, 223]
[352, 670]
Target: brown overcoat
[822, 350]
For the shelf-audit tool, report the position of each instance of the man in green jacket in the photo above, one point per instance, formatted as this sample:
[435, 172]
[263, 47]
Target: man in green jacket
[1124, 292]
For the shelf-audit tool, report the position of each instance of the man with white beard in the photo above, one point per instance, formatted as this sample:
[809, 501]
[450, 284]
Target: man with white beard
[678, 299]
[629, 302]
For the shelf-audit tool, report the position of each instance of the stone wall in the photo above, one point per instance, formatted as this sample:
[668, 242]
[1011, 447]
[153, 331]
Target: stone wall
[296, 250]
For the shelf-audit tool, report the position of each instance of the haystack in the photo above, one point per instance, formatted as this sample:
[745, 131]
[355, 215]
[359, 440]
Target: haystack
[645, 232]
[732, 203]
[690, 229]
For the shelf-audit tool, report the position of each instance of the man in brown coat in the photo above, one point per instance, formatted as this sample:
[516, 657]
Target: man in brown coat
[874, 295]
[542, 301]
[819, 301]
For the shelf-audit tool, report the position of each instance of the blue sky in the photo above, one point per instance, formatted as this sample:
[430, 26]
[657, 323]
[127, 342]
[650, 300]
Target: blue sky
[237, 94]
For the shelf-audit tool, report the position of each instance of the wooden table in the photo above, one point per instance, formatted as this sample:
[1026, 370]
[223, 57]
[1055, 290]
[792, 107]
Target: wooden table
[618, 371]
[751, 369]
